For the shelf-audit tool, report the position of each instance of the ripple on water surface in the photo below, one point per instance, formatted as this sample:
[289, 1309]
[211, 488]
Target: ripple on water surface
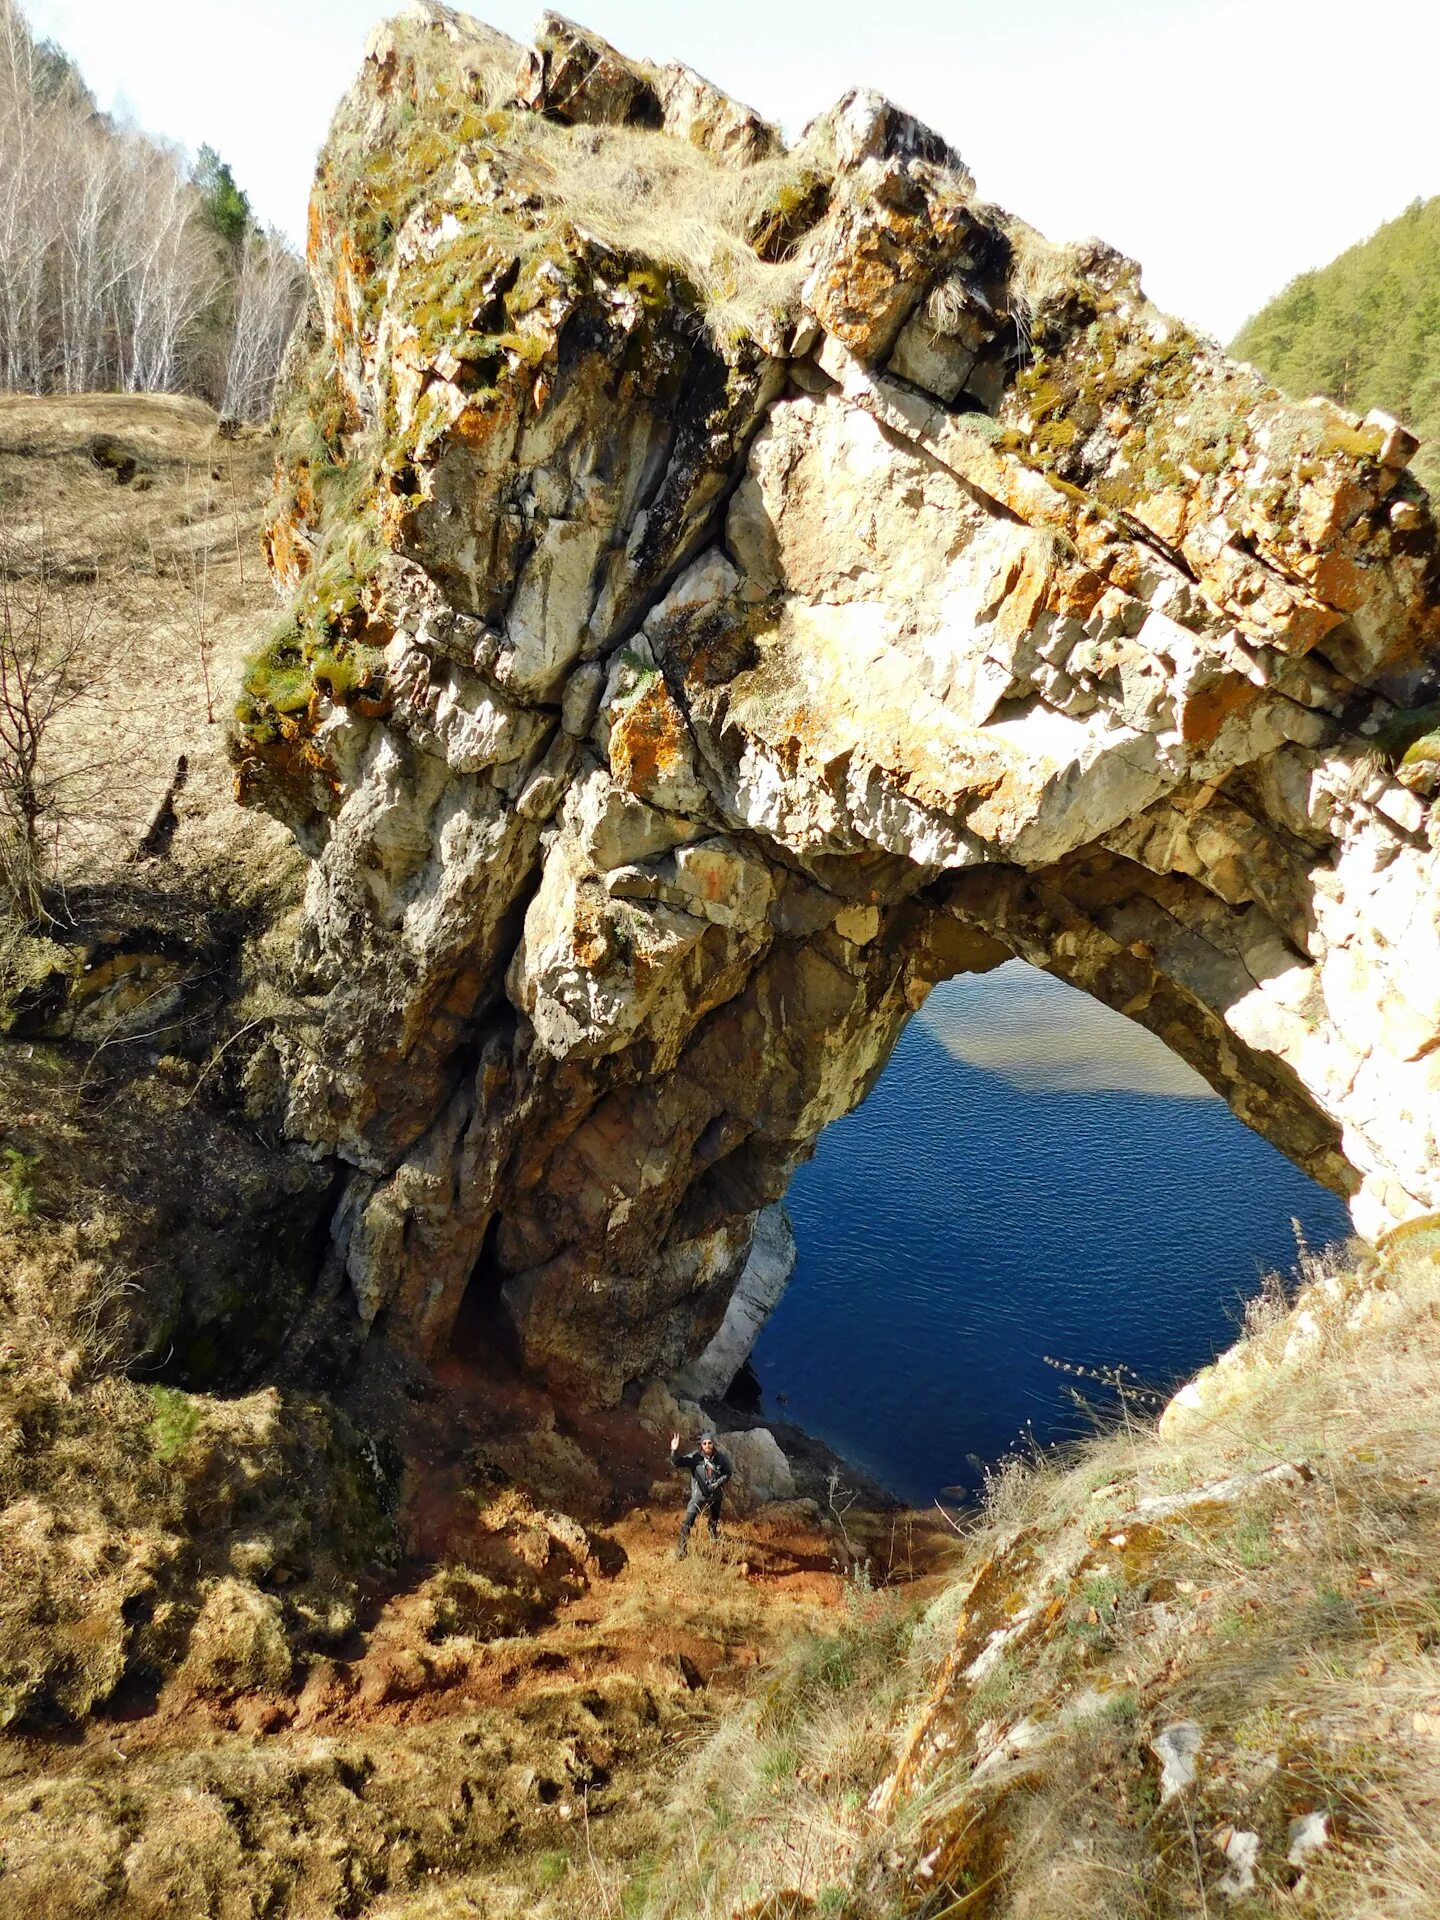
[1034, 1175]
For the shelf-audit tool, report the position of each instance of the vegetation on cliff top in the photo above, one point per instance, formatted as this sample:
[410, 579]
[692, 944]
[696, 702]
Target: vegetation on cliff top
[1365, 330]
[724, 229]
[615, 219]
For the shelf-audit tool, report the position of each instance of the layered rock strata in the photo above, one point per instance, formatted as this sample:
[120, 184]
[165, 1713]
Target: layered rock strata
[737, 588]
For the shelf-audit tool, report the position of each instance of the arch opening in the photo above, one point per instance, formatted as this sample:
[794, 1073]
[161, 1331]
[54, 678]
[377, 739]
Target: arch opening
[1034, 1178]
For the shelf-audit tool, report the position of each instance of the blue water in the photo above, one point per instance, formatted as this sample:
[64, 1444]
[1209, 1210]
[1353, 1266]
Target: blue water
[969, 1220]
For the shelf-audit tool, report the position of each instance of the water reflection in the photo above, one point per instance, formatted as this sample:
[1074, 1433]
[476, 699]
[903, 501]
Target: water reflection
[1042, 1036]
[1033, 1175]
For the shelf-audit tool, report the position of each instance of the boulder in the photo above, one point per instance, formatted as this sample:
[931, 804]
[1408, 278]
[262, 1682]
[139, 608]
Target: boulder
[939, 363]
[761, 1470]
[662, 1414]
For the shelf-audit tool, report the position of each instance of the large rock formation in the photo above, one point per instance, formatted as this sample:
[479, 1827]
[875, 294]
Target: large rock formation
[737, 588]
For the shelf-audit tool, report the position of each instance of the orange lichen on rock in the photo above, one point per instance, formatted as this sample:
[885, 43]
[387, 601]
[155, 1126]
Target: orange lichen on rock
[1206, 709]
[649, 742]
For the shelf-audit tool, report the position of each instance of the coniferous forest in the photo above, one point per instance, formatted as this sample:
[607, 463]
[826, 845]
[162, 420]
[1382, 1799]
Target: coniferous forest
[1365, 330]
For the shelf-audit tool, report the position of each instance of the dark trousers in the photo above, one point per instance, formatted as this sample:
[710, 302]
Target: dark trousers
[702, 1503]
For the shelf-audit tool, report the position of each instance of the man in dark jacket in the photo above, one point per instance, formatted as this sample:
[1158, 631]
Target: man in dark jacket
[708, 1470]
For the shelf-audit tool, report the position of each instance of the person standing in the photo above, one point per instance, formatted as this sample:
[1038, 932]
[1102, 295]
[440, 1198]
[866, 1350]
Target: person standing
[708, 1470]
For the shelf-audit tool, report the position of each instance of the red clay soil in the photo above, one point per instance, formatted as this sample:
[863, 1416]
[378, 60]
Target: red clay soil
[578, 1509]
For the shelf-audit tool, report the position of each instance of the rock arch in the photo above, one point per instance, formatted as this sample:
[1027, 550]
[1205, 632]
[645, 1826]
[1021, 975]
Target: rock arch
[693, 663]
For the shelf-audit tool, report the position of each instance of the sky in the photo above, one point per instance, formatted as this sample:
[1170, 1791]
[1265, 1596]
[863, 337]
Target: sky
[1226, 144]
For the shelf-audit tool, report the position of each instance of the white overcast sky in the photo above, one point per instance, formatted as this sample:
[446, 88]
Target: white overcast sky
[1226, 144]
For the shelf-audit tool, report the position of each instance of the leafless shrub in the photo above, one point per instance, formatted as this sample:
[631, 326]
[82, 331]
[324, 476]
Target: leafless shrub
[64, 1307]
[1268, 1306]
[839, 1499]
[47, 665]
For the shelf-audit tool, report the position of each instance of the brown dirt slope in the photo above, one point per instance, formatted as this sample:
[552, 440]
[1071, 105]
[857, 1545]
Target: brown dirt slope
[146, 515]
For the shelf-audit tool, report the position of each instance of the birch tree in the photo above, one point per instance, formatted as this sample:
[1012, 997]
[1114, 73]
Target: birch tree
[28, 207]
[169, 272]
[268, 294]
[86, 269]
[116, 268]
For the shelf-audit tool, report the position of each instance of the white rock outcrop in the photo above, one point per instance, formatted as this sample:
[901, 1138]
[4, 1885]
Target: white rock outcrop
[691, 668]
[761, 1470]
[763, 1279]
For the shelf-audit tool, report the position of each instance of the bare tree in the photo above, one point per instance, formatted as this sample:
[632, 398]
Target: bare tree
[268, 294]
[112, 272]
[28, 206]
[169, 269]
[47, 665]
[84, 261]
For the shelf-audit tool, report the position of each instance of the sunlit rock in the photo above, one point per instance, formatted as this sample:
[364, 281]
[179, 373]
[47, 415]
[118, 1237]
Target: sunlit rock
[761, 1470]
[1177, 1748]
[763, 1280]
[740, 588]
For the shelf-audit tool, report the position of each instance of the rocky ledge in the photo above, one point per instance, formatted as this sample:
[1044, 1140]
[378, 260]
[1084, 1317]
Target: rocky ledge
[736, 588]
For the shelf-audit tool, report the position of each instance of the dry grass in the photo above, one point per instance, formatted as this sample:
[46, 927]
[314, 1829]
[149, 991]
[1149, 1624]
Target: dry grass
[1295, 1619]
[166, 572]
[145, 1227]
[773, 1804]
[135, 1520]
[770, 1801]
[145, 1533]
[667, 201]
[1293, 1624]
[1044, 275]
[414, 1820]
[643, 194]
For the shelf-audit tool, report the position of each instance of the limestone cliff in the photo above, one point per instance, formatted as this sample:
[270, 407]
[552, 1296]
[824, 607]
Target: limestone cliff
[737, 588]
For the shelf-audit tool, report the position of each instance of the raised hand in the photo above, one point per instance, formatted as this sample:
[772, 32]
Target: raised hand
[674, 1443]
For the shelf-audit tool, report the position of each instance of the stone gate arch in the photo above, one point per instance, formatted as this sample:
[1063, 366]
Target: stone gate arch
[680, 684]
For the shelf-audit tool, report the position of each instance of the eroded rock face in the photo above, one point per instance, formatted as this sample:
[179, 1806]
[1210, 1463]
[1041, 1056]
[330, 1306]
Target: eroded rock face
[738, 589]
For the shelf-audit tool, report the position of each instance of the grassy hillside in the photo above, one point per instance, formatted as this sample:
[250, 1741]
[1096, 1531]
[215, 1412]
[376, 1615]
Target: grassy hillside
[1189, 1670]
[1365, 330]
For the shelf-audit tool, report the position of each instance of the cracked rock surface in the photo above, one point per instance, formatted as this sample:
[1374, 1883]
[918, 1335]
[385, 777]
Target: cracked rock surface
[737, 588]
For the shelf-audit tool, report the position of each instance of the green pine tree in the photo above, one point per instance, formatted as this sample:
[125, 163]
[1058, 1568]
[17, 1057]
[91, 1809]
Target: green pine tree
[1365, 330]
[227, 207]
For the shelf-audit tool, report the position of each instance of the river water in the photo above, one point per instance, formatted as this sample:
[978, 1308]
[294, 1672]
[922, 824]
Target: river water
[1034, 1179]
